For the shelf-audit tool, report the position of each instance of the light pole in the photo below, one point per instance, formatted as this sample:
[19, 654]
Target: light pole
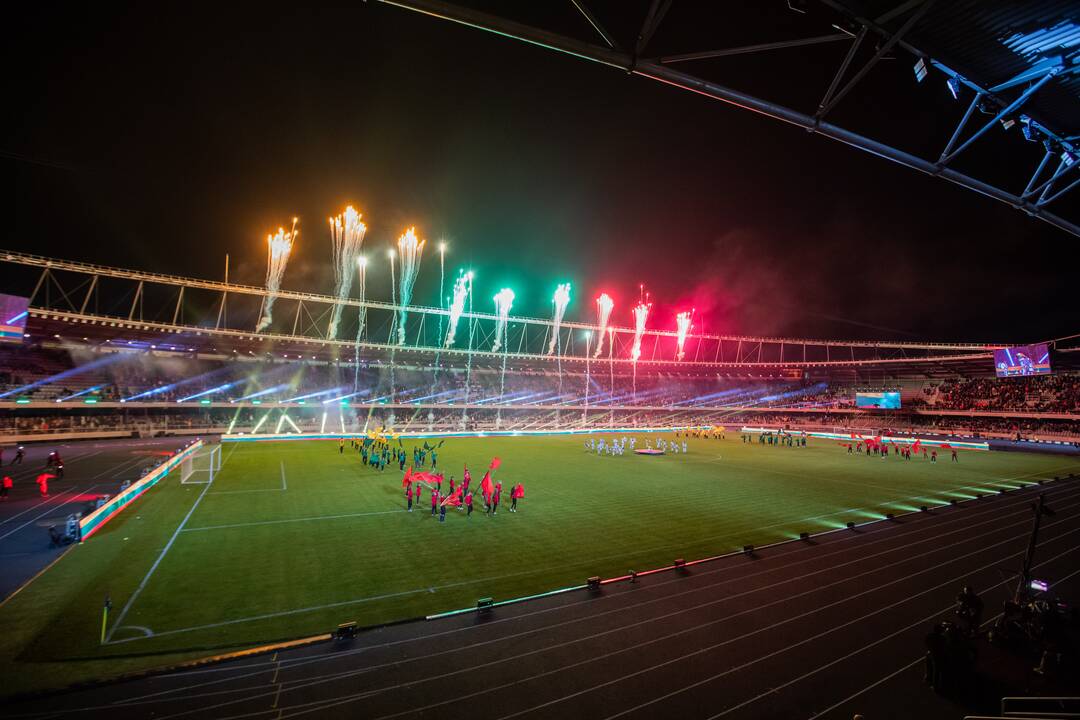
[588, 355]
[611, 371]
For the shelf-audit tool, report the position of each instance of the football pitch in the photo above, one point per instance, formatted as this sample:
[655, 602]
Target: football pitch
[293, 538]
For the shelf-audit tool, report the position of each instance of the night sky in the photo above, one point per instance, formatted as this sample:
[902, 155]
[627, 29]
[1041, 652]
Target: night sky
[161, 137]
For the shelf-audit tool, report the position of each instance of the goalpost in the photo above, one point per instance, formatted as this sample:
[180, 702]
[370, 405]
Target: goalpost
[201, 467]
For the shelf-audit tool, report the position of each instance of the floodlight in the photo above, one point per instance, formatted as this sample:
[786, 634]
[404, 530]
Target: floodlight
[921, 70]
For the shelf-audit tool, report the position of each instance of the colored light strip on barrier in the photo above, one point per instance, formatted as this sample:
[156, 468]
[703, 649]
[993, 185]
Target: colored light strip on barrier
[97, 519]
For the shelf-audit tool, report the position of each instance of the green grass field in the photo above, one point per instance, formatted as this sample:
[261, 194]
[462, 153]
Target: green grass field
[293, 538]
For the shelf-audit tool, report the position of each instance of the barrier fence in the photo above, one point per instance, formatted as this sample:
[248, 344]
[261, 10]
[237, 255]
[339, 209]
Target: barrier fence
[97, 519]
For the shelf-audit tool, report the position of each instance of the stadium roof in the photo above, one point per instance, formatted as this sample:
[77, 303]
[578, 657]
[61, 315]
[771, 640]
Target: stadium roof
[1014, 66]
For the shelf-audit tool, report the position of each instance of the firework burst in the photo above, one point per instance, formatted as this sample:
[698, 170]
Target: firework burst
[641, 314]
[462, 287]
[347, 235]
[280, 247]
[410, 251]
[560, 300]
[604, 306]
[682, 323]
[504, 300]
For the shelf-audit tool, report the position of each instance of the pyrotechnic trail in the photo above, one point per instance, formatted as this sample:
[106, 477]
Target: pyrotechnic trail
[503, 301]
[280, 247]
[604, 305]
[347, 235]
[410, 249]
[560, 300]
[457, 305]
[641, 314]
[468, 360]
[682, 321]
[361, 318]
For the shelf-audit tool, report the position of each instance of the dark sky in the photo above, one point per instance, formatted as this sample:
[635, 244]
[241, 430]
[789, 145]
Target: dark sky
[161, 137]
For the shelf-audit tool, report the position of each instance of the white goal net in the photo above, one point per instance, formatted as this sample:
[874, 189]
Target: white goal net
[202, 466]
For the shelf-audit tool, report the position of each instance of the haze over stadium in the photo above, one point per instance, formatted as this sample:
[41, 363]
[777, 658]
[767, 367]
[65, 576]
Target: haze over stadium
[451, 357]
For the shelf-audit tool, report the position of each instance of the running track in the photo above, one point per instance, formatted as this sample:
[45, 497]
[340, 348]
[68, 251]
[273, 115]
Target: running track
[92, 468]
[799, 631]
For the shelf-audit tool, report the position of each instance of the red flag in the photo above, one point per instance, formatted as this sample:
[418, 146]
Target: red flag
[915, 447]
[426, 477]
[454, 498]
[408, 478]
[485, 484]
[946, 446]
[495, 463]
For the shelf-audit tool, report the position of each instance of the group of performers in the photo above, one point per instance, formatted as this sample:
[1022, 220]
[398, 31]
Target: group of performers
[376, 452]
[619, 445]
[708, 432]
[875, 446]
[778, 438]
[614, 447]
[457, 496]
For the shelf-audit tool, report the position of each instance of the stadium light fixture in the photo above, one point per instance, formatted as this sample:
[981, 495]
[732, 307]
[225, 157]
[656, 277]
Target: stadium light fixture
[921, 70]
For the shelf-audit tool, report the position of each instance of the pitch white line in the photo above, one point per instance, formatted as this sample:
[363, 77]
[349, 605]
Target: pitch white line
[154, 567]
[283, 485]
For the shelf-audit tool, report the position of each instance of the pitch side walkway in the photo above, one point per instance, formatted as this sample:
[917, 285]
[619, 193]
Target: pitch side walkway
[799, 631]
[91, 468]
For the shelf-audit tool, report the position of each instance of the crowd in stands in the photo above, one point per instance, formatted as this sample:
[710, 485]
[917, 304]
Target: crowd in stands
[1041, 393]
[140, 378]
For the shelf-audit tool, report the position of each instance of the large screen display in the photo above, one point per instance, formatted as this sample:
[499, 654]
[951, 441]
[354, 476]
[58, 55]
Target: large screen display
[13, 311]
[1023, 360]
[882, 400]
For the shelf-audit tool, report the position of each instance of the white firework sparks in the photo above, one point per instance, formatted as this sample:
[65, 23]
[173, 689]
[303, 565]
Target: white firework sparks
[504, 300]
[347, 235]
[604, 306]
[641, 314]
[560, 300]
[682, 322]
[462, 286]
[280, 247]
[410, 250]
